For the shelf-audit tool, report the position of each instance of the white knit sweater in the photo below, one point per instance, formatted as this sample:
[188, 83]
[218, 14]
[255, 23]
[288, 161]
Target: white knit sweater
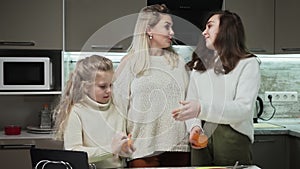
[227, 99]
[91, 127]
[147, 102]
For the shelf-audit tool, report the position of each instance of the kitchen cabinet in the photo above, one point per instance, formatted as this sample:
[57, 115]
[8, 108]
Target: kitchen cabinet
[96, 25]
[258, 19]
[269, 26]
[24, 110]
[31, 24]
[271, 151]
[15, 153]
[294, 151]
[287, 26]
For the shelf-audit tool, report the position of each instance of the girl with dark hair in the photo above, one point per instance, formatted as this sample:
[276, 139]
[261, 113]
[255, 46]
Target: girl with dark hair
[223, 87]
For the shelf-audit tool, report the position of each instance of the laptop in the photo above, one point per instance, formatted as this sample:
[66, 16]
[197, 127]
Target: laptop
[58, 159]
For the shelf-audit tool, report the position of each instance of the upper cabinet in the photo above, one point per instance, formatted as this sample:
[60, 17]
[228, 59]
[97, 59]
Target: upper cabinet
[258, 19]
[99, 25]
[287, 26]
[269, 26]
[31, 24]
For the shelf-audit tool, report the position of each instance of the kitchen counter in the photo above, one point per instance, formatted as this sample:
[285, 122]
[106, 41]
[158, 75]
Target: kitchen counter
[273, 127]
[25, 135]
[281, 126]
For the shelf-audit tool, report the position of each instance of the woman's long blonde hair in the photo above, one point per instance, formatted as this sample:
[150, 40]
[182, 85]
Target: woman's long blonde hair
[79, 81]
[138, 51]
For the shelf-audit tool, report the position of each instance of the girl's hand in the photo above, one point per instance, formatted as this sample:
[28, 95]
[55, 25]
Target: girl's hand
[127, 147]
[189, 109]
[122, 145]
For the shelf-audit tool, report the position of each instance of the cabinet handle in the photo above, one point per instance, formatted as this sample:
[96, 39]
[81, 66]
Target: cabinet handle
[17, 146]
[257, 50]
[11, 43]
[264, 141]
[290, 49]
[107, 47]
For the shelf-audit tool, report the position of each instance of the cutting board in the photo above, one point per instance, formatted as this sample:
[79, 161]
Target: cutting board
[266, 125]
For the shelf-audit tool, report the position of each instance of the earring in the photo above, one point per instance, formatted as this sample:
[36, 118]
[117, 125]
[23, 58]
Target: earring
[150, 37]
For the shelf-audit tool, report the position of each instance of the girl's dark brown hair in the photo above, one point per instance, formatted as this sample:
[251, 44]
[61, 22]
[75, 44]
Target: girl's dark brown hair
[202, 57]
[230, 44]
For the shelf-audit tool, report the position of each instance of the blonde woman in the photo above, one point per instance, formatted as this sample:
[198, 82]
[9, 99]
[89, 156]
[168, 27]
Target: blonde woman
[150, 81]
[86, 119]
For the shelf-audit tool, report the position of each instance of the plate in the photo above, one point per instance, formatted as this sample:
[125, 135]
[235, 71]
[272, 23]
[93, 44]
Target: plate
[34, 128]
[39, 132]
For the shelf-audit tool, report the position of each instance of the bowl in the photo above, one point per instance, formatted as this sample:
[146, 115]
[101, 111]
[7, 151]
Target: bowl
[12, 130]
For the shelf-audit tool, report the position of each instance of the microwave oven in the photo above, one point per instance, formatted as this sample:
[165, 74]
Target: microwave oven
[25, 73]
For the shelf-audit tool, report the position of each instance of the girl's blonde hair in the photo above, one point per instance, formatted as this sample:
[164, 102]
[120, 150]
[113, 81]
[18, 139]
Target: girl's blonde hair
[79, 81]
[138, 51]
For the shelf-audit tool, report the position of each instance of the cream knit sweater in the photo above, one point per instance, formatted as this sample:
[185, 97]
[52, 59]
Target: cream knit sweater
[91, 127]
[147, 102]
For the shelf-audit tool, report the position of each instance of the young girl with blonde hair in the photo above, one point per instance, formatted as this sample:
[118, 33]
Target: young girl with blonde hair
[86, 119]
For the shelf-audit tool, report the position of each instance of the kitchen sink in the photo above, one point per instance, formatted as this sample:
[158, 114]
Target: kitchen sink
[266, 125]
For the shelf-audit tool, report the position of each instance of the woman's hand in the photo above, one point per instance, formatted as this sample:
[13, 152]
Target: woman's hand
[189, 109]
[122, 145]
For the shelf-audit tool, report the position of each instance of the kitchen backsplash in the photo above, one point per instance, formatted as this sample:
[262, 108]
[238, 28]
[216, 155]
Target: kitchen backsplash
[280, 73]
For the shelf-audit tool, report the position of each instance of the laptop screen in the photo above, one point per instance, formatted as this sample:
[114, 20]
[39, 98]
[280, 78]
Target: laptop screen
[58, 159]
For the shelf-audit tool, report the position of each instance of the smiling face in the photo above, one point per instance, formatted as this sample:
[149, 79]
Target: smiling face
[100, 91]
[162, 33]
[211, 31]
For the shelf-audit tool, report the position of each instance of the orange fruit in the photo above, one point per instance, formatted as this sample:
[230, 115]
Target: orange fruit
[129, 142]
[201, 140]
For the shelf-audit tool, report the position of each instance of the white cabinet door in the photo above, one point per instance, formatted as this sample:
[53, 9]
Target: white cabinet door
[258, 19]
[31, 24]
[84, 18]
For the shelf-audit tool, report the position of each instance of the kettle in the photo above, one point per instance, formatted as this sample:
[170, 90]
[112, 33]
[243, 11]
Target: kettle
[258, 109]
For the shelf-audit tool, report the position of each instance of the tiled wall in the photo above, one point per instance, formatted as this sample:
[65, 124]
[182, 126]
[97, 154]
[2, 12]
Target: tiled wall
[280, 73]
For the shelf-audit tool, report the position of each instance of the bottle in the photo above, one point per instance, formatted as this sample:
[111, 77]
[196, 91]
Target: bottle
[45, 117]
